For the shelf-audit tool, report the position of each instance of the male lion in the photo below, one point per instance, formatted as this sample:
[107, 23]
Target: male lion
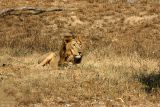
[70, 52]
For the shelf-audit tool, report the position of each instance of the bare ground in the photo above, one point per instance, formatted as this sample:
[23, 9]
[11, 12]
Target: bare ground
[120, 68]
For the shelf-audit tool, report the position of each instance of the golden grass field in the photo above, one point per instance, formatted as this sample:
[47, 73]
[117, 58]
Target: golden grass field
[121, 63]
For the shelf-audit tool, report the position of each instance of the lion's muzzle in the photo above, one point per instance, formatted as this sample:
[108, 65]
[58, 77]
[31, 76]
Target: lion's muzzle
[78, 58]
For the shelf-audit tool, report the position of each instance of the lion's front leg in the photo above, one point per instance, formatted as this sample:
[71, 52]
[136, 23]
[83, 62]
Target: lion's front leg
[50, 57]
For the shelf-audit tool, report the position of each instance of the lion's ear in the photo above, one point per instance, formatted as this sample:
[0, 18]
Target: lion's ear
[68, 39]
[73, 35]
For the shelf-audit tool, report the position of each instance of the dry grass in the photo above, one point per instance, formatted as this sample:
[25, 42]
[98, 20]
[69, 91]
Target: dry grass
[121, 54]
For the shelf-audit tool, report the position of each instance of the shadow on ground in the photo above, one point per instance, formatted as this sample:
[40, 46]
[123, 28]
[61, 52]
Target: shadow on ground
[151, 81]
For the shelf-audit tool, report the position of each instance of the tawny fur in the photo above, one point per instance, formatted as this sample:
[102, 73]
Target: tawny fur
[47, 58]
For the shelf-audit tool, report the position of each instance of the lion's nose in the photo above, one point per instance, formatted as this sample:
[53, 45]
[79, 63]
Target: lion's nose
[80, 53]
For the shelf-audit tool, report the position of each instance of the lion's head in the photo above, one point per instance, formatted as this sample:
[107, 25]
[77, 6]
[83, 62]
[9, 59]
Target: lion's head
[71, 50]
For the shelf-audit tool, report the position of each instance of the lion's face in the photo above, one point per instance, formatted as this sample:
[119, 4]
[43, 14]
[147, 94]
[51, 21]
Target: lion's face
[75, 47]
[71, 50]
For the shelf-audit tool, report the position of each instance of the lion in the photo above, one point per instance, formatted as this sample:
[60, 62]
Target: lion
[70, 53]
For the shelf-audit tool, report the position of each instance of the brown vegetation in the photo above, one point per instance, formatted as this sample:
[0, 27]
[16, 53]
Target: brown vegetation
[120, 66]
